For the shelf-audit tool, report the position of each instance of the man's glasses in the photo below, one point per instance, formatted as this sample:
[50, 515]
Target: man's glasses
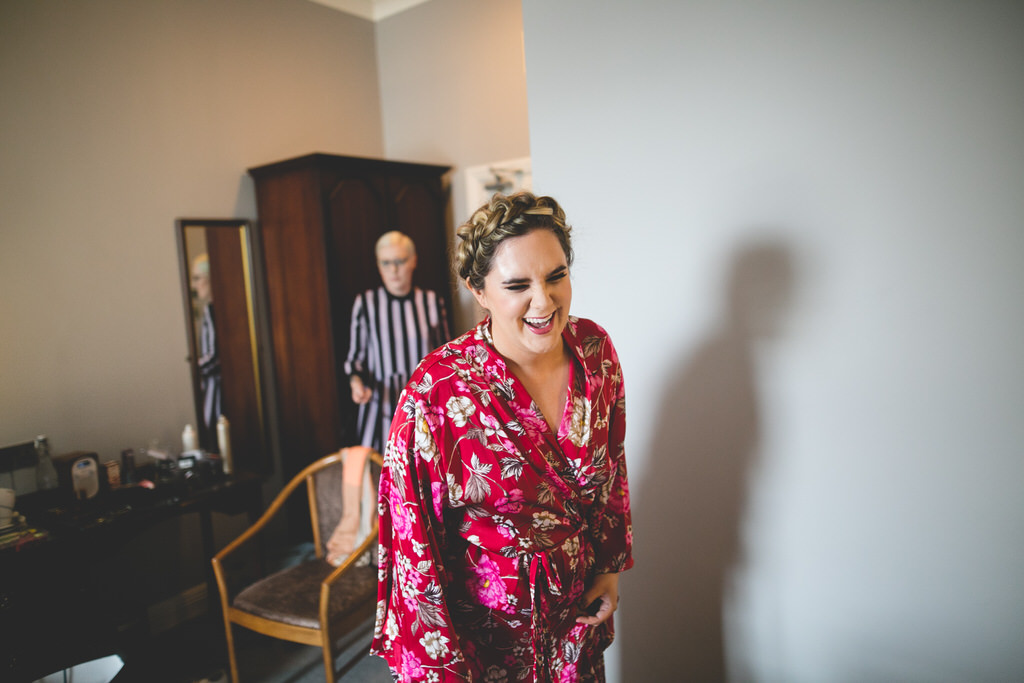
[393, 263]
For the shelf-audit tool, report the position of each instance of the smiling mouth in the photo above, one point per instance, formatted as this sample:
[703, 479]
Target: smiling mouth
[539, 323]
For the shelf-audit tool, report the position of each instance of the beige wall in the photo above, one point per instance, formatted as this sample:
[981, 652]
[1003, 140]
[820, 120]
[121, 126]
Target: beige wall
[453, 91]
[116, 118]
[453, 82]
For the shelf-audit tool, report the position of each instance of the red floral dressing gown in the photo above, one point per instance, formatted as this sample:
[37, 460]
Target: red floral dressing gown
[491, 525]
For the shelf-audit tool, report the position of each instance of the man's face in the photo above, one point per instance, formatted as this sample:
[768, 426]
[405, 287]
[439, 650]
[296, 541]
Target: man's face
[396, 265]
[201, 283]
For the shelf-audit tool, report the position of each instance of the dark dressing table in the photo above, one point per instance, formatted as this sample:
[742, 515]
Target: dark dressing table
[63, 600]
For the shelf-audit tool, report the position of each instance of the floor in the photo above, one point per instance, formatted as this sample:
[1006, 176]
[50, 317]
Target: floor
[195, 653]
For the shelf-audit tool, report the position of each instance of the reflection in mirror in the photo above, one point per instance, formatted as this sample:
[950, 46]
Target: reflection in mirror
[216, 259]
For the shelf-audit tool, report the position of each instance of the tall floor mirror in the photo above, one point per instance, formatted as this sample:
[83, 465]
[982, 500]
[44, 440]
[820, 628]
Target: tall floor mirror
[219, 285]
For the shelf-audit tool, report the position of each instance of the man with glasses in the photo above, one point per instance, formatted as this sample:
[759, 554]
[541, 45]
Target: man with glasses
[393, 327]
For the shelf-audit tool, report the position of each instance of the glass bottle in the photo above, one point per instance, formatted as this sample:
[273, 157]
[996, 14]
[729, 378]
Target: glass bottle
[189, 440]
[224, 442]
[46, 473]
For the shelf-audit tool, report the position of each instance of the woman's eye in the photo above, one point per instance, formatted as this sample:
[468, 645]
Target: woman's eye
[557, 276]
[516, 288]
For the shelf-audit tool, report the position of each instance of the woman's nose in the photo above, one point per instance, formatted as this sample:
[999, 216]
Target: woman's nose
[541, 296]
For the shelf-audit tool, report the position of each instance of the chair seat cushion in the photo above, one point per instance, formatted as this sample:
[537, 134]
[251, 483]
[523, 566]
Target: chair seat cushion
[292, 596]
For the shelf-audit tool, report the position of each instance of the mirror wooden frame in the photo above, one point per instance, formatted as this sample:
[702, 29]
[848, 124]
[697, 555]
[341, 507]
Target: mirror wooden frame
[230, 246]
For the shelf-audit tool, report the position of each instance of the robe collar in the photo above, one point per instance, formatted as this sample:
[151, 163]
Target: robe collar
[582, 348]
[586, 358]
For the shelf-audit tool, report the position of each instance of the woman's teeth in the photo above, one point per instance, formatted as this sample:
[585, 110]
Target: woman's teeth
[538, 322]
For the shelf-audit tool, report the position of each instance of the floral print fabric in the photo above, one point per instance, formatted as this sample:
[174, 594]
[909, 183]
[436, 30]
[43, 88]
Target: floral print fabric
[492, 526]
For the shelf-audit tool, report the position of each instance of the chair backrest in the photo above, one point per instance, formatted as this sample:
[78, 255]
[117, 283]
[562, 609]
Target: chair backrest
[345, 473]
[329, 502]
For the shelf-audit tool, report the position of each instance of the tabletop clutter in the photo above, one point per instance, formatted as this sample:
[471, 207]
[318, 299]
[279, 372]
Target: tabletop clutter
[148, 466]
[78, 480]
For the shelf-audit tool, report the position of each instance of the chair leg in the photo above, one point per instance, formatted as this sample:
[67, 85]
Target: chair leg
[230, 639]
[328, 656]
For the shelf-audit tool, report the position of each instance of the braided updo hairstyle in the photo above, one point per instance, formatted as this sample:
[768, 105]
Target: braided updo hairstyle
[499, 219]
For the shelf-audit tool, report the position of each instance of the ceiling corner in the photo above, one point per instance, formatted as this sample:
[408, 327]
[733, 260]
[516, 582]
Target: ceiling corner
[373, 10]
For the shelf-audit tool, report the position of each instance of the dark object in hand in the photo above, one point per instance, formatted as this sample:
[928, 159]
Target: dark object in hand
[593, 608]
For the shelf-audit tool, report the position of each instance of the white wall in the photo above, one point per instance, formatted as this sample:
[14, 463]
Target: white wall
[453, 91]
[803, 224]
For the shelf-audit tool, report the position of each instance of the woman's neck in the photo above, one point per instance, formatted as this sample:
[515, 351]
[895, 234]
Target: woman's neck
[526, 366]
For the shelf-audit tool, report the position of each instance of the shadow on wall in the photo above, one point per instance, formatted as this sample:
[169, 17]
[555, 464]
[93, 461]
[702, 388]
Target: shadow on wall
[689, 509]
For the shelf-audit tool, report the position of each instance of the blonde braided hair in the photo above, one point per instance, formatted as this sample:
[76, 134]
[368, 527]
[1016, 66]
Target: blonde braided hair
[499, 219]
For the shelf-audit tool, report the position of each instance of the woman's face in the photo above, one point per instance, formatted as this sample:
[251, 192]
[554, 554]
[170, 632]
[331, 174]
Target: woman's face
[528, 294]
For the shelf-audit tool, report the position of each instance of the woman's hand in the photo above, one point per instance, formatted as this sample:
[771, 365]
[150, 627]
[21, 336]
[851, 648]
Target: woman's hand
[605, 587]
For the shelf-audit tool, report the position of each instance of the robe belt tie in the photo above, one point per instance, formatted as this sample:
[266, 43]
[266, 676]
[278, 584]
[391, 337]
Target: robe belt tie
[542, 572]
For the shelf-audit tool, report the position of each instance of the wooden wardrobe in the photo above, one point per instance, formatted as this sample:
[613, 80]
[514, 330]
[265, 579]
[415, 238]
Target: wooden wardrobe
[319, 218]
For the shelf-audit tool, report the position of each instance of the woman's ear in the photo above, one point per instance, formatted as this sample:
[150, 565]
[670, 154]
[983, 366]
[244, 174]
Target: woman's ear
[478, 294]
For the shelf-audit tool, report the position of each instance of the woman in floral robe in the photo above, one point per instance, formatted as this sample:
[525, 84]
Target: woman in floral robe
[499, 524]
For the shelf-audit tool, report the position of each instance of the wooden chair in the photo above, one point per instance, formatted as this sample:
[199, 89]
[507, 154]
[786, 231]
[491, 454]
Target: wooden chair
[313, 602]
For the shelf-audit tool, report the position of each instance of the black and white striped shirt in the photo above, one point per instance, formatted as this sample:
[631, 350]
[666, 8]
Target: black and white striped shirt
[209, 372]
[390, 336]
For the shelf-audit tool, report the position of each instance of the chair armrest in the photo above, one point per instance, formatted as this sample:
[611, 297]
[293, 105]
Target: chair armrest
[238, 542]
[302, 478]
[356, 553]
[332, 578]
[371, 536]
[256, 528]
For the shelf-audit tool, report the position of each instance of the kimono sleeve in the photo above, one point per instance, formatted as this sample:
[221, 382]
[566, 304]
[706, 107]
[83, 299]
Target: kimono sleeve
[414, 631]
[610, 518]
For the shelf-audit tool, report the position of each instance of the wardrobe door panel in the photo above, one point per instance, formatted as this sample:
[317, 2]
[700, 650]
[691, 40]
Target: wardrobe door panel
[357, 217]
[291, 225]
[419, 210]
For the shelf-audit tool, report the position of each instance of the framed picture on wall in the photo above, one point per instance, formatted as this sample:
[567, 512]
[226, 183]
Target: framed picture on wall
[506, 177]
[472, 187]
